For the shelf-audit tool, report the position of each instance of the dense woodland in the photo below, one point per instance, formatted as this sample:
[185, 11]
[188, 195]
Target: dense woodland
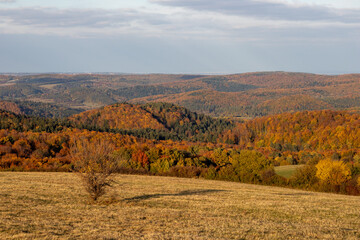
[165, 139]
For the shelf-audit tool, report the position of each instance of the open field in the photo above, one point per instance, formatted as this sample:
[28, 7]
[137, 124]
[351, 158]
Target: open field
[54, 206]
[287, 171]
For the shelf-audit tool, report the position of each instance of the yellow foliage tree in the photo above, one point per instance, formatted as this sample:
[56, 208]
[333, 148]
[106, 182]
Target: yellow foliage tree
[333, 172]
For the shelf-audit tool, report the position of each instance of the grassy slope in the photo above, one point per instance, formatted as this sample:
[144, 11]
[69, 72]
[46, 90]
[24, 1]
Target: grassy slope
[53, 205]
[287, 171]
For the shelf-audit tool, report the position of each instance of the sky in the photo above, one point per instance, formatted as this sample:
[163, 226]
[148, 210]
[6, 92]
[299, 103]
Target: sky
[180, 36]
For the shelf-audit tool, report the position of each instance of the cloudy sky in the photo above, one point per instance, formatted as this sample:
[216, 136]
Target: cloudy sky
[180, 36]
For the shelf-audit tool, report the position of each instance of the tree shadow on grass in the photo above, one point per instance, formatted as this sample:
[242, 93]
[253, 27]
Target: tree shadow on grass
[182, 193]
[294, 194]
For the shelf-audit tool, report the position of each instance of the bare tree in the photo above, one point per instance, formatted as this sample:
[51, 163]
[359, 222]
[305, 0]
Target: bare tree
[95, 162]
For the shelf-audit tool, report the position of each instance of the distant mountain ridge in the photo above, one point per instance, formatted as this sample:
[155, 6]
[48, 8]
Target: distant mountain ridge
[37, 109]
[235, 95]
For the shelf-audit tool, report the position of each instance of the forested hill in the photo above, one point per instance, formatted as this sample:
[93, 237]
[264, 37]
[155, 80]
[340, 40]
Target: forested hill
[324, 130]
[159, 121]
[153, 120]
[119, 116]
[236, 95]
[308, 130]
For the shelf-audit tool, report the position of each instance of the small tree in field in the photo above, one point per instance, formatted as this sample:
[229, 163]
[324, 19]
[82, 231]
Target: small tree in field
[95, 163]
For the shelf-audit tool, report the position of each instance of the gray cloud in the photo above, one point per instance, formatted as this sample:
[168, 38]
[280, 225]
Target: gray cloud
[204, 36]
[176, 25]
[268, 10]
[7, 1]
[93, 18]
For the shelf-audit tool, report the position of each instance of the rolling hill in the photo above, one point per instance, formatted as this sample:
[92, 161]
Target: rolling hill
[270, 93]
[236, 95]
[119, 116]
[164, 119]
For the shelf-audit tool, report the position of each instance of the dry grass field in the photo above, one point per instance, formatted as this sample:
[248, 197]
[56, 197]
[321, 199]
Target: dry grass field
[55, 206]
